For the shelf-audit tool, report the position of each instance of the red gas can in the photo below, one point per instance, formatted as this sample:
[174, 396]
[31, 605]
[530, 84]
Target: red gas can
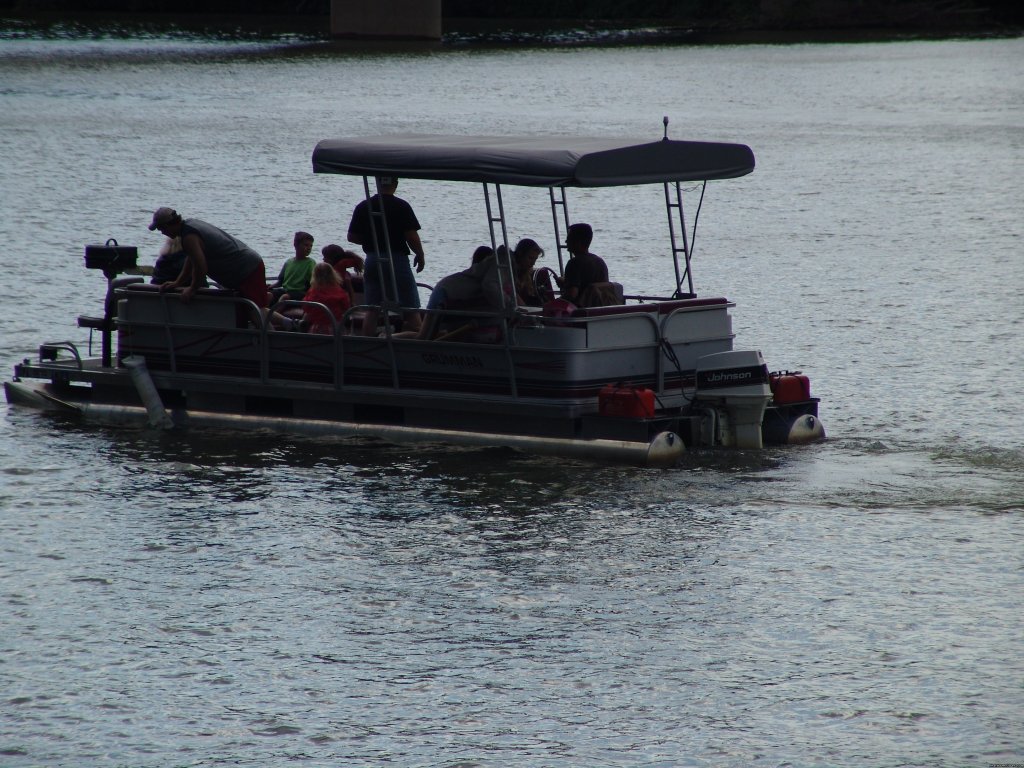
[790, 387]
[625, 402]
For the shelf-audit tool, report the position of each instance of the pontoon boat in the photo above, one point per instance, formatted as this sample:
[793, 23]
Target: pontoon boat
[636, 382]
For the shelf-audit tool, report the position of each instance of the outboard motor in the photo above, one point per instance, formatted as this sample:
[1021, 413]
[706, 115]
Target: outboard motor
[736, 385]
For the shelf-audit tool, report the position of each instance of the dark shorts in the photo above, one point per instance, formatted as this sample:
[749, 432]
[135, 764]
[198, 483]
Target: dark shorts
[408, 293]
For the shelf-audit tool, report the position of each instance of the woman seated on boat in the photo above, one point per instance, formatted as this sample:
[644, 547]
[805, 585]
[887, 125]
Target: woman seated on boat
[486, 285]
[325, 288]
[532, 290]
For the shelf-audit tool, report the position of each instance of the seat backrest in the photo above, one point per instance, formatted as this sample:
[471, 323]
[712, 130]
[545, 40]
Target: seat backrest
[601, 295]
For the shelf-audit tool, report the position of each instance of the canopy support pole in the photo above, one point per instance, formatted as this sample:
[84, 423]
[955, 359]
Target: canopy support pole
[556, 203]
[676, 205]
[508, 311]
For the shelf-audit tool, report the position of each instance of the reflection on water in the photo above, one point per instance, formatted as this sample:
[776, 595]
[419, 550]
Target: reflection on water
[365, 602]
[240, 471]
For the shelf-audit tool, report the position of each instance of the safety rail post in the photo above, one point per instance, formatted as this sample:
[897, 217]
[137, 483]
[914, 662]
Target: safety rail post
[506, 332]
[167, 332]
[390, 342]
[659, 355]
[338, 333]
[339, 357]
[264, 344]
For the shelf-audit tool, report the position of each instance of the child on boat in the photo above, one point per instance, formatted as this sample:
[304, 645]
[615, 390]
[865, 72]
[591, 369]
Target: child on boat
[343, 260]
[294, 279]
[326, 288]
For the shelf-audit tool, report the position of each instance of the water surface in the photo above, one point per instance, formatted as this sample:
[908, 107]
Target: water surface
[200, 599]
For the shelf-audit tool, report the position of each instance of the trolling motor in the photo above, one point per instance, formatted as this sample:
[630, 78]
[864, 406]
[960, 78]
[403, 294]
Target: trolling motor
[113, 260]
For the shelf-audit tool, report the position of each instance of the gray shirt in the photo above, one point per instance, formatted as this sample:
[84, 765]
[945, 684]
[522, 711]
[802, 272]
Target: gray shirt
[481, 283]
[228, 260]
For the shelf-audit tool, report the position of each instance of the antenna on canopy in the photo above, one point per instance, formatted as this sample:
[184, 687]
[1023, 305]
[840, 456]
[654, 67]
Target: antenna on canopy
[664, 122]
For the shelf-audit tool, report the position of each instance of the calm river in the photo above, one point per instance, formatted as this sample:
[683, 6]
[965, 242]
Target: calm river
[192, 600]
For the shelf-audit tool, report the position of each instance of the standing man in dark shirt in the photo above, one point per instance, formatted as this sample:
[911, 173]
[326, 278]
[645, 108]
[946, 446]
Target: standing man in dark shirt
[212, 251]
[402, 235]
[584, 268]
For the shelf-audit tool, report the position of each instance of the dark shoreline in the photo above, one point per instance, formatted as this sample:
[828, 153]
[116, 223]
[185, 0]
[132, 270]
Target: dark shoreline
[465, 31]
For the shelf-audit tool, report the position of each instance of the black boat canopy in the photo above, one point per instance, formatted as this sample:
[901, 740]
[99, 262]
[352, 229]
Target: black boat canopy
[534, 161]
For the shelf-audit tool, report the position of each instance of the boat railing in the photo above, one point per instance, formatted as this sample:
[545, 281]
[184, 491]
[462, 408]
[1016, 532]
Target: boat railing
[476, 319]
[105, 324]
[49, 352]
[337, 355]
[646, 314]
[209, 308]
[644, 298]
[599, 328]
[661, 313]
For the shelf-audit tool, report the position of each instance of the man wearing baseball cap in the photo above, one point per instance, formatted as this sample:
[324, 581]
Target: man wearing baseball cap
[211, 251]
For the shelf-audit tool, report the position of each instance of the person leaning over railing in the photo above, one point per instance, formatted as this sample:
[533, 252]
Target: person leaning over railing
[211, 251]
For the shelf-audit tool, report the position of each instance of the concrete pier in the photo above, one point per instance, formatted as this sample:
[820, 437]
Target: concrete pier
[386, 19]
